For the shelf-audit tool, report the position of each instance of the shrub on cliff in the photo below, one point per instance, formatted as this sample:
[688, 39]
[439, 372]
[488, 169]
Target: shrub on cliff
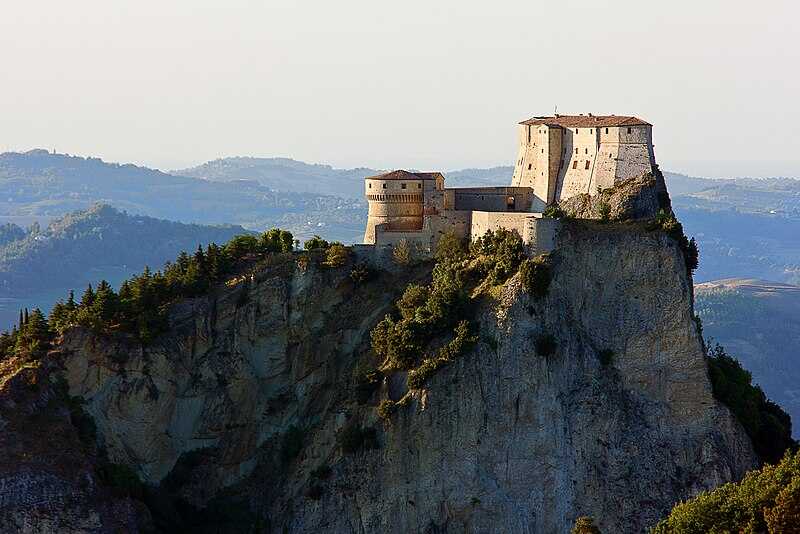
[554, 211]
[536, 275]
[585, 525]
[766, 500]
[450, 247]
[769, 427]
[386, 408]
[395, 343]
[353, 437]
[504, 250]
[545, 345]
[666, 221]
[401, 252]
[336, 255]
[316, 243]
[463, 340]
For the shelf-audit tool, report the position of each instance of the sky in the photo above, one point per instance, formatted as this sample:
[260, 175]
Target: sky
[431, 85]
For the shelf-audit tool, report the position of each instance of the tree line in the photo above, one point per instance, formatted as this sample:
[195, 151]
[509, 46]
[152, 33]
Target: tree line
[139, 307]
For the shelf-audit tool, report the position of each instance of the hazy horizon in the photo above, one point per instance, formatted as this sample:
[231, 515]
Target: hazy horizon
[439, 87]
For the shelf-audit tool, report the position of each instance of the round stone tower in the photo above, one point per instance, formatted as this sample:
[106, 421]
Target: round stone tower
[397, 199]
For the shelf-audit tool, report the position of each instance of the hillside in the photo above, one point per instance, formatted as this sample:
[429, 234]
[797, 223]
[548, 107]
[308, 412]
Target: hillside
[39, 185]
[759, 323]
[87, 246]
[281, 400]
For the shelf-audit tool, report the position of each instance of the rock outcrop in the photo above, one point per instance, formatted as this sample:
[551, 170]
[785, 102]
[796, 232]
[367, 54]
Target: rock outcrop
[637, 198]
[251, 393]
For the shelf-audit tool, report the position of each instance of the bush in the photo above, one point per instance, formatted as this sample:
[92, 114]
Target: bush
[766, 500]
[536, 276]
[386, 408]
[604, 210]
[401, 252]
[504, 250]
[554, 211]
[414, 297]
[303, 261]
[336, 256]
[585, 525]
[606, 356]
[545, 345]
[353, 438]
[450, 247]
[316, 243]
[769, 427]
[666, 221]
[462, 341]
[396, 343]
[361, 273]
[365, 380]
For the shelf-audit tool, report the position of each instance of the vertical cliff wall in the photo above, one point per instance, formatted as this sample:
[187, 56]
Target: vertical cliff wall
[504, 438]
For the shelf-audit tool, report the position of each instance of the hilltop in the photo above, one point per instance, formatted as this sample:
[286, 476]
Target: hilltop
[282, 392]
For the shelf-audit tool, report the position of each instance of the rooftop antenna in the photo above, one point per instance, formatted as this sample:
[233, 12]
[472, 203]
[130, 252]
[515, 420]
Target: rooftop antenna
[555, 110]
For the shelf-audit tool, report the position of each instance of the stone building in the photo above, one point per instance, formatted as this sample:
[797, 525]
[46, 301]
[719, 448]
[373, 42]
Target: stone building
[558, 157]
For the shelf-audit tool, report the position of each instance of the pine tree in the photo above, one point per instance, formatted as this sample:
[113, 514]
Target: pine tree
[88, 297]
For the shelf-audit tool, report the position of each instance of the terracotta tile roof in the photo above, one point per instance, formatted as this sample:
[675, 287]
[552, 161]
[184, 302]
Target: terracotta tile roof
[586, 121]
[401, 174]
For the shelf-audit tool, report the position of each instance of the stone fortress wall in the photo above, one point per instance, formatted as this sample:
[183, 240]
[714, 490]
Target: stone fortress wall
[558, 157]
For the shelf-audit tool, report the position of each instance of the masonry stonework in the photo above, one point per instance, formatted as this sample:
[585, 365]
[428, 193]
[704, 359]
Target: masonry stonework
[558, 157]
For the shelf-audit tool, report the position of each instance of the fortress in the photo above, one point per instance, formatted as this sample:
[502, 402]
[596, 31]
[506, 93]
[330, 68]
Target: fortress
[558, 157]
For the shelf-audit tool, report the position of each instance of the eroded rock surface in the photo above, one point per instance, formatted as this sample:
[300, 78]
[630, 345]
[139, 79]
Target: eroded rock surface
[501, 440]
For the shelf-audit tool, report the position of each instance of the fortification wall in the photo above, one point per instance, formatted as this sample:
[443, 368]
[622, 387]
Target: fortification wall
[491, 198]
[539, 234]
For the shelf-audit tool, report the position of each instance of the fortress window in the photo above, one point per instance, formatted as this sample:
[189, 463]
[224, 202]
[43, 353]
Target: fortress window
[575, 164]
[369, 186]
[576, 130]
[384, 186]
[542, 151]
[585, 150]
[419, 186]
[402, 186]
[587, 163]
[510, 202]
[630, 130]
[529, 166]
[606, 130]
[590, 130]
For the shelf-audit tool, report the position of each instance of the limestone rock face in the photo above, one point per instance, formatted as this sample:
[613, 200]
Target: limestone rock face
[635, 198]
[502, 440]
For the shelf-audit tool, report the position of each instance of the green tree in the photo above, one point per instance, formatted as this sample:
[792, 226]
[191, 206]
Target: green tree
[336, 255]
[316, 243]
[450, 247]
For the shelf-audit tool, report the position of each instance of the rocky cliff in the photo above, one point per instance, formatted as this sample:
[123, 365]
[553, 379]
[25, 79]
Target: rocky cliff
[249, 403]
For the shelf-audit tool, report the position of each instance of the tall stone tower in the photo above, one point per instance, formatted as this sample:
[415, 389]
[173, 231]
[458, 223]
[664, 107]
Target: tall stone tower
[397, 200]
[566, 155]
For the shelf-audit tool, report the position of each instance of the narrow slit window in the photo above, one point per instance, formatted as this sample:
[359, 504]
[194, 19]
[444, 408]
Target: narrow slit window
[575, 164]
[529, 166]
[630, 130]
[402, 186]
[587, 163]
[384, 186]
[606, 130]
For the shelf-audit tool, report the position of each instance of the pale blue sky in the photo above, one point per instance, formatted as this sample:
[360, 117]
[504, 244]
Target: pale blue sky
[425, 84]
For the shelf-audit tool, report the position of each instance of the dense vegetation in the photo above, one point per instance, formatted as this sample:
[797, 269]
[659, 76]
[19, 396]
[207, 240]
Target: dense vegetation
[769, 427]
[765, 501]
[441, 311]
[140, 306]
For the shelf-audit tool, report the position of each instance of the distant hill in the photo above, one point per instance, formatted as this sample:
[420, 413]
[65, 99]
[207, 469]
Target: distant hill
[285, 174]
[86, 246]
[40, 185]
[758, 322]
